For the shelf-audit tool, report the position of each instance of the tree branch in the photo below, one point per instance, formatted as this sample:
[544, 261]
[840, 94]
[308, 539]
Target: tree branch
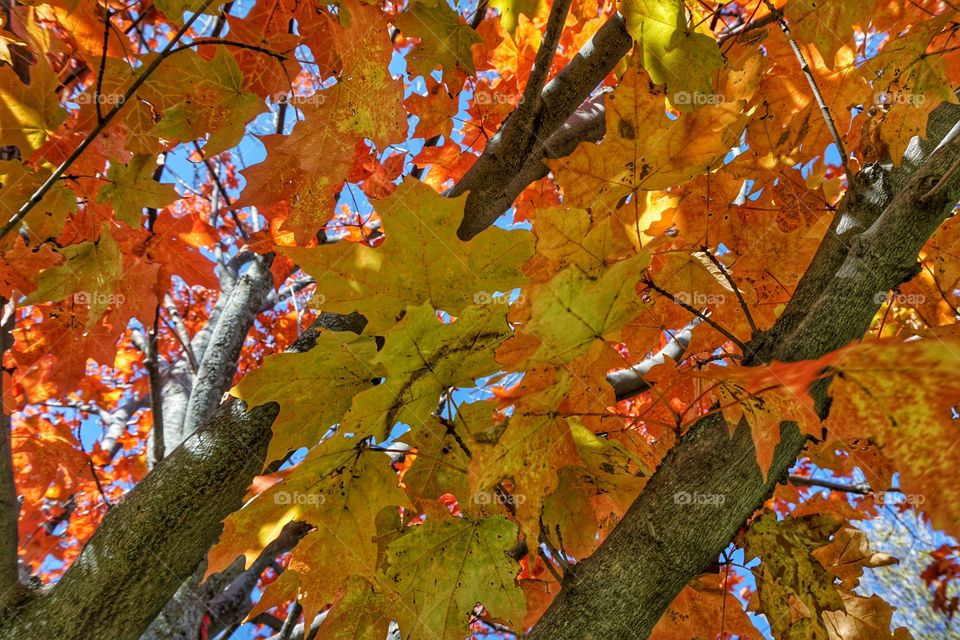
[219, 360]
[11, 589]
[509, 151]
[150, 543]
[629, 382]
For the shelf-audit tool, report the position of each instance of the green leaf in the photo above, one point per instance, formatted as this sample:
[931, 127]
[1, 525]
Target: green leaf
[674, 52]
[422, 358]
[337, 368]
[572, 311]
[445, 39]
[421, 260]
[131, 188]
[444, 567]
[90, 275]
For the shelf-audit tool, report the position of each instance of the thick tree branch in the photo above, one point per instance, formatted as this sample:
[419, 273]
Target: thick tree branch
[219, 361]
[150, 543]
[665, 539]
[509, 151]
[10, 587]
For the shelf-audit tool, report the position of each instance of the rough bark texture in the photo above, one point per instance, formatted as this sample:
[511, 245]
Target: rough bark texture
[148, 544]
[10, 587]
[523, 141]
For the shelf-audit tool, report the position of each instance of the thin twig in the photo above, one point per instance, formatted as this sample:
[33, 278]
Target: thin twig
[228, 43]
[96, 479]
[479, 14]
[291, 622]
[103, 63]
[746, 27]
[156, 399]
[733, 285]
[223, 190]
[729, 336]
[861, 488]
[818, 96]
[52, 179]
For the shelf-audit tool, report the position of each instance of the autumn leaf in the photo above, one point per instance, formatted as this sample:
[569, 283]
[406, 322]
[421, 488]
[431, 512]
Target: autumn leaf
[339, 365]
[445, 40]
[644, 149]
[437, 602]
[420, 260]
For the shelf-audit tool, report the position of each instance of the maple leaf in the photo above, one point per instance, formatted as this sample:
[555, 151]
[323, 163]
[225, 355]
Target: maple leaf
[197, 97]
[702, 606]
[131, 188]
[511, 10]
[572, 311]
[340, 490]
[89, 274]
[902, 396]
[341, 364]
[420, 260]
[29, 114]
[437, 602]
[445, 39]
[424, 357]
[644, 149]
[440, 464]
[828, 25]
[669, 40]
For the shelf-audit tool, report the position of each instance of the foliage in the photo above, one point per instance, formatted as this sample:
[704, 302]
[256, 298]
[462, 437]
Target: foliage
[458, 455]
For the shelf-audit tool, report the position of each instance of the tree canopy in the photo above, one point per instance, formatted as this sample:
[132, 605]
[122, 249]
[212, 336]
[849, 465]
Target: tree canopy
[425, 319]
